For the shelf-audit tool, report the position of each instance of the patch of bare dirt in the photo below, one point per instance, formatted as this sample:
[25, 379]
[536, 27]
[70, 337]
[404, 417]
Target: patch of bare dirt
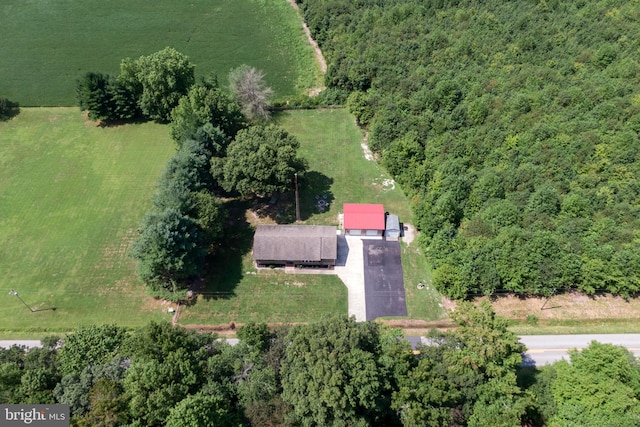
[316, 91]
[150, 304]
[368, 154]
[448, 304]
[409, 327]
[409, 233]
[229, 329]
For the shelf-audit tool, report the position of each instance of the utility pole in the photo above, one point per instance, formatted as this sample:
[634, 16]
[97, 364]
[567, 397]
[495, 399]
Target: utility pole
[15, 294]
[553, 291]
[297, 198]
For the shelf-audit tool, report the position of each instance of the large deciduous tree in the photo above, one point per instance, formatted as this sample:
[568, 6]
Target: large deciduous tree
[601, 386]
[466, 376]
[248, 86]
[168, 364]
[262, 160]
[203, 410]
[205, 103]
[28, 376]
[75, 388]
[165, 77]
[108, 405]
[93, 345]
[156, 386]
[332, 373]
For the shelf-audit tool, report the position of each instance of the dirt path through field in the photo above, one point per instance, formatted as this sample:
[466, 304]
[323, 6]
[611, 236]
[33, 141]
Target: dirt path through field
[316, 49]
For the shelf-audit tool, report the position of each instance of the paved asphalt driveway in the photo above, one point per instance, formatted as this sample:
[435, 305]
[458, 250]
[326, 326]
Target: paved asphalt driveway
[383, 280]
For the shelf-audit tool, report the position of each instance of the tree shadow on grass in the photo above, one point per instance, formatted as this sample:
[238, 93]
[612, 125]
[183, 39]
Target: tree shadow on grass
[315, 197]
[315, 194]
[280, 208]
[224, 268]
[8, 109]
[121, 122]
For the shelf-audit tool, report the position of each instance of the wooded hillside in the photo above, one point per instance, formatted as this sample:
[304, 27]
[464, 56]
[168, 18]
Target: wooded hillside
[513, 126]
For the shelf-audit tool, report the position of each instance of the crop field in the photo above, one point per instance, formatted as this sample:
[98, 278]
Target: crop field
[71, 198]
[48, 44]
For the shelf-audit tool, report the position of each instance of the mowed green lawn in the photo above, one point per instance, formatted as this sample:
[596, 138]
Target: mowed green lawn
[236, 292]
[331, 142]
[71, 198]
[47, 44]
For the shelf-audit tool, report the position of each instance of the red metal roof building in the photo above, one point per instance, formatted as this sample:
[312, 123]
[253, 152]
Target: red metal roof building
[364, 219]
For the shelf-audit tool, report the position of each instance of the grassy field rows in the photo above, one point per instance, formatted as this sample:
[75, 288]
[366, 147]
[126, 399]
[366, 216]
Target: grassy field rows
[48, 44]
[71, 198]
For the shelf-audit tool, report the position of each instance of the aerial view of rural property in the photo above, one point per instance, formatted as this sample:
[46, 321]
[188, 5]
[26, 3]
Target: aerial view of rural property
[320, 213]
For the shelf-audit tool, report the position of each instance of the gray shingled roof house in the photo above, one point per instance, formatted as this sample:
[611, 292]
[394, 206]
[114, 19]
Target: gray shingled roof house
[293, 245]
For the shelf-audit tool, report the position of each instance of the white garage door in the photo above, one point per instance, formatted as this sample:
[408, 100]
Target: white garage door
[355, 232]
[372, 232]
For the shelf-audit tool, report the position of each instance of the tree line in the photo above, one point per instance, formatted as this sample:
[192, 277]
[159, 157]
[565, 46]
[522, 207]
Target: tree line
[225, 148]
[332, 372]
[512, 126]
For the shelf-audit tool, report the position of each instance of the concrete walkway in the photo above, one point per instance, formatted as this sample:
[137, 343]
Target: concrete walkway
[350, 269]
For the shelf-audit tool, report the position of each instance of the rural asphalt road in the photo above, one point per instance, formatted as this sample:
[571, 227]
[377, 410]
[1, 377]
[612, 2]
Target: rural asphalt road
[546, 349]
[26, 343]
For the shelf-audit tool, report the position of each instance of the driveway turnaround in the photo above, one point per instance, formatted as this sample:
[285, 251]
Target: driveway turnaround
[383, 280]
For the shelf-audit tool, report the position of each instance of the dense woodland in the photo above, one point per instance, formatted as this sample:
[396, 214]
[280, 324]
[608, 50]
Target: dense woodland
[513, 127]
[335, 372]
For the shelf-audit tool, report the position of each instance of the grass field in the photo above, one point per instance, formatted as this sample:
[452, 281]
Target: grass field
[242, 295]
[48, 44]
[331, 142]
[71, 197]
